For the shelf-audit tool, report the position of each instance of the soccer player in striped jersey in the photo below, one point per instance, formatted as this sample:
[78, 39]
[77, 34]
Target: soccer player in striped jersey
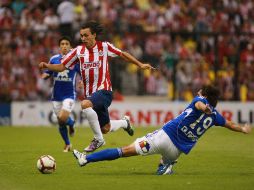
[64, 92]
[93, 58]
[176, 136]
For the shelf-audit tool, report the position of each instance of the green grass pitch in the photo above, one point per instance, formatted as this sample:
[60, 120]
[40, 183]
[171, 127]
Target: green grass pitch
[221, 159]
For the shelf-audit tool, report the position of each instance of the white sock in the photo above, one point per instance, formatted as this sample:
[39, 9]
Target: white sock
[116, 124]
[93, 121]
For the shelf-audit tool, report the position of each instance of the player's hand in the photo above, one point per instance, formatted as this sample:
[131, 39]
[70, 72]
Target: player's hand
[45, 76]
[208, 109]
[80, 84]
[246, 128]
[147, 66]
[42, 65]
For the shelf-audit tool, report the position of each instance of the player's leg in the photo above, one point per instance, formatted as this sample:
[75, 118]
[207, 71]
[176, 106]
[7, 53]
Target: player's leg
[64, 115]
[122, 123]
[158, 142]
[107, 154]
[92, 117]
[165, 168]
[142, 146]
[169, 153]
[92, 108]
[57, 106]
[108, 125]
[112, 125]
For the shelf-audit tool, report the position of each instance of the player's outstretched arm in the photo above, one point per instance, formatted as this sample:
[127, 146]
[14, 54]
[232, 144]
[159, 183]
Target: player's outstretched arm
[130, 58]
[246, 128]
[52, 67]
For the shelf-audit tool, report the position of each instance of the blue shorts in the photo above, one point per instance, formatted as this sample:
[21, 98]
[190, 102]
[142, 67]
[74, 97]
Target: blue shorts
[101, 101]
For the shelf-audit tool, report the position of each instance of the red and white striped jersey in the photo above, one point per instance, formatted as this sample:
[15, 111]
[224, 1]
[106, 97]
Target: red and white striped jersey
[93, 65]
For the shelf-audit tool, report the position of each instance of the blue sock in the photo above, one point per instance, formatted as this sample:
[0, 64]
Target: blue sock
[64, 133]
[70, 122]
[107, 154]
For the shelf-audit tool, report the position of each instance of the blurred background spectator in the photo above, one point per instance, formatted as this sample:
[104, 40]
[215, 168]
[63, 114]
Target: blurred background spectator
[191, 42]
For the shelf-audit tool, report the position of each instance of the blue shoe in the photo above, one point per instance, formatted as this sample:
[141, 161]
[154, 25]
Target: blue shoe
[165, 169]
[72, 129]
[80, 157]
[129, 128]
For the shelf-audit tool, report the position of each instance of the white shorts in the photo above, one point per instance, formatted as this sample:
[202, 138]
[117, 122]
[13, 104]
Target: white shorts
[157, 142]
[68, 105]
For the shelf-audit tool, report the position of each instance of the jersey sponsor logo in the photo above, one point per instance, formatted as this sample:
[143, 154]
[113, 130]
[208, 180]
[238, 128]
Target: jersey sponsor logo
[145, 146]
[189, 134]
[63, 76]
[90, 65]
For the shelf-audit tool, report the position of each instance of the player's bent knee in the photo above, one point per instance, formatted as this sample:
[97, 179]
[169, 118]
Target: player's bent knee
[86, 104]
[60, 120]
[105, 129]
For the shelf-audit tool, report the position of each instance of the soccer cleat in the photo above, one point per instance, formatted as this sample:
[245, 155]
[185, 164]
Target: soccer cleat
[129, 128]
[165, 169]
[67, 148]
[72, 130]
[80, 157]
[94, 145]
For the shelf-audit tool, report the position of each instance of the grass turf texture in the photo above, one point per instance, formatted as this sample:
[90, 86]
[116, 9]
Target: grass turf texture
[221, 160]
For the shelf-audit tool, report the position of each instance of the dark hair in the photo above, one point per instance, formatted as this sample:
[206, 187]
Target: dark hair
[94, 26]
[211, 93]
[64, 38]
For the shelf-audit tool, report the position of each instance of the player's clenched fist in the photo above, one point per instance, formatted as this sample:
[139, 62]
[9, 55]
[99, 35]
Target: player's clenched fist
[42, 65]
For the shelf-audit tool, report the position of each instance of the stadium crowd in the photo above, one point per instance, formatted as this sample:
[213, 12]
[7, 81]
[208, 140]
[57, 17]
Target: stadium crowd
[191, 42]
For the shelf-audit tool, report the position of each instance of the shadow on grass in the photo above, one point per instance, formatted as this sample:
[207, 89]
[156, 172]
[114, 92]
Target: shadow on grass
[120, 174]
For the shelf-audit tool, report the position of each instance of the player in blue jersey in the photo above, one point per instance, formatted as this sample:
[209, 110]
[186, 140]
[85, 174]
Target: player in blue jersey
[175, 137]
[64, 92]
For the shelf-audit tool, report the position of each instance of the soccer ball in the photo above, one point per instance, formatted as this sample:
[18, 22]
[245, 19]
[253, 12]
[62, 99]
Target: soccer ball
[46, 164]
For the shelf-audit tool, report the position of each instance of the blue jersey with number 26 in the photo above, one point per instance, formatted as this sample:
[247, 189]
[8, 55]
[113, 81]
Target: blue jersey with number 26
[191, 124]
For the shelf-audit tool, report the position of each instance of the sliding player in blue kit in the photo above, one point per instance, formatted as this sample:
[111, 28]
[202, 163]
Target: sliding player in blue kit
[64, 92]
[177, 136]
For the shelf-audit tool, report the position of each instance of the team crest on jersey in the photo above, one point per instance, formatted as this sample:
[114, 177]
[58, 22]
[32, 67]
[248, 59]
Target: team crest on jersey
[145, 146]
[100, 53]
